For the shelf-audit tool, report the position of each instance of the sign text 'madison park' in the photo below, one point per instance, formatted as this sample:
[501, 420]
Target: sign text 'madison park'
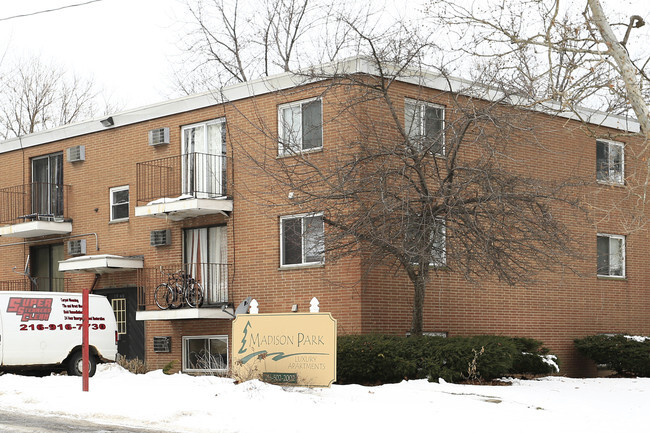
[299, 339]
[300, 348]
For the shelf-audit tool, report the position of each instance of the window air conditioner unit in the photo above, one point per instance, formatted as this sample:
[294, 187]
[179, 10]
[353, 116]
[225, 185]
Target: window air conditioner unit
[160, 238]
[76, 153]
[158, 136]
[77, 247]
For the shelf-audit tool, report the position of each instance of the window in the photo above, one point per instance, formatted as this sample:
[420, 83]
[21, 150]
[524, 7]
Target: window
[424, 124]
[47, 185]
[205, 254]
[439, 244]
[205, 353]
[120, 203]
[437, 248]
[609, 161]
[119, 309]
[300, 126]
[301, 240]
[611, 255]
[203, 159]
[44, 268]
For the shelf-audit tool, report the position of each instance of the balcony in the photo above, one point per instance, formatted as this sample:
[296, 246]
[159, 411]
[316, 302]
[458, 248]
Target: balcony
[38, 284]
[35, 209]
[213, 277]
[183, 186]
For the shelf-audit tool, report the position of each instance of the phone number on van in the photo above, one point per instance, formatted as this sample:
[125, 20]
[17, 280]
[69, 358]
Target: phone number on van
[61, 327]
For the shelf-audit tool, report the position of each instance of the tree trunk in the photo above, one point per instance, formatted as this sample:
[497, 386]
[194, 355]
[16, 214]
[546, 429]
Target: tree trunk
[625, 66]
[419, 284]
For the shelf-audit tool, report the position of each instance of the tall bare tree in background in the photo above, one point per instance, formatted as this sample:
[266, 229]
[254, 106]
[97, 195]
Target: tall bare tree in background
[553, 51]
[232, 41]
[559, 56]
[35, 96]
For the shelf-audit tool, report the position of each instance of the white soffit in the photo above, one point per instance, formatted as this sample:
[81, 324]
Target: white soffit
[185, 313]
[31, 229]
[177, 210]
[101, 264]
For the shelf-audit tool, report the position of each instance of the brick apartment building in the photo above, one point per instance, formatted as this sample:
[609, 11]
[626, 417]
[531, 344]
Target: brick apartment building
[117, 204]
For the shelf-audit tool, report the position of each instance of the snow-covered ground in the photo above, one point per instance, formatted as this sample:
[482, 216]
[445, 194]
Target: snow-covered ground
[182, 403]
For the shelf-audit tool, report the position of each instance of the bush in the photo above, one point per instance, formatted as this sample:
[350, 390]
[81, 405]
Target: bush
[135, 365]
[375, 359]
[617, 352]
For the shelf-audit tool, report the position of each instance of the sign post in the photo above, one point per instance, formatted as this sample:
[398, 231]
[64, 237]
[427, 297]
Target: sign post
[85, 352]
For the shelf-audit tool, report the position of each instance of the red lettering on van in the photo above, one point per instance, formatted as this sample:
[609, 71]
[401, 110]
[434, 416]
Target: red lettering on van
[31, 308]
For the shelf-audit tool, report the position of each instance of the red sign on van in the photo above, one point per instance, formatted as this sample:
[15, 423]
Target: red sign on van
[30, 308]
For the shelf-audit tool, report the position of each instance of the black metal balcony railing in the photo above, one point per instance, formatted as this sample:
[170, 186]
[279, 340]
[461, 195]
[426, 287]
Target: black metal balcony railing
[38, 284]
[213, 277]
[33, 201]
[199, 175]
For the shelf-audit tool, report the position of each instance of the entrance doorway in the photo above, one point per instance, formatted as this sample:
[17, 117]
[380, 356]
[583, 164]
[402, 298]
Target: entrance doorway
[131, 332]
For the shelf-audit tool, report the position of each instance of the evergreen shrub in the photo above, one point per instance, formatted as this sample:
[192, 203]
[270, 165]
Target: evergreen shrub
[624, 355]
[376, 359]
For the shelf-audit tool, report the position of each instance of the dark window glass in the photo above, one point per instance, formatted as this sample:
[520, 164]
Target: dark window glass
[292, 241]
[311, 125]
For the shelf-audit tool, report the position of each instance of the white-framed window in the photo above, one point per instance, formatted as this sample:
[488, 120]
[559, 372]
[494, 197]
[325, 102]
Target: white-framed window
[205, 353]
[119, 203]
[300, 126]
[425, 126]
[119, 309]
[437, 247]
[610, 162]
[611, 255]
[203, 164]
[302, 240]
[439, 244]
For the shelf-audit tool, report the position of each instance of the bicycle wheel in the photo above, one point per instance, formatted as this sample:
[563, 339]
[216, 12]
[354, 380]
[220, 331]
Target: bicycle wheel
[194, 294]
[163, 296]
[176, 295]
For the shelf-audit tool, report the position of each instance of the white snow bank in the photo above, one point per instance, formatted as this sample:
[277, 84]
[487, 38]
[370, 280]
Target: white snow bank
[182, 403]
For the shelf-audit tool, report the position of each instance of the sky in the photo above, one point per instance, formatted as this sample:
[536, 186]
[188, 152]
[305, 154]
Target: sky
[129, 47]
[126, 46]
[182, 403]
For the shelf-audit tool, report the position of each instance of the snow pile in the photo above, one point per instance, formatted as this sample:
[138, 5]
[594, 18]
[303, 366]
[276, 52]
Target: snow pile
[182, 403]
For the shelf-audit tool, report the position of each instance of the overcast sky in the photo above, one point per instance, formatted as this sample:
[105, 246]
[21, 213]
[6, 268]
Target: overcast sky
[125, 45]
[128, 46]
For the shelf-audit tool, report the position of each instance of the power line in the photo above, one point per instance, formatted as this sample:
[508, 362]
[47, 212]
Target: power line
[50, 10]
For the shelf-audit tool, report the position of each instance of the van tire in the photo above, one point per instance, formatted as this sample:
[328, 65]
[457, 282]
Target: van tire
[75, 364]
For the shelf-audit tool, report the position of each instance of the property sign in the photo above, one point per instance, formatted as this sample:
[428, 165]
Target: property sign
[293, 349]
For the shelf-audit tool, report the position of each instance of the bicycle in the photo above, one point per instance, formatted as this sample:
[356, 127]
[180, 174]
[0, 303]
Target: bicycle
[179, 290]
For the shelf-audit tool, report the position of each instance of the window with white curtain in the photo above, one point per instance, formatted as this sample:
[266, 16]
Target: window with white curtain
[425, 125]
[611, 255]
[205, 254]
[609, 162]
[300, 126]
[203, 159]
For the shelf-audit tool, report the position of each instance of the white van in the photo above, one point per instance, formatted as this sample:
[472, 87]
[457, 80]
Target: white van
[42, 330]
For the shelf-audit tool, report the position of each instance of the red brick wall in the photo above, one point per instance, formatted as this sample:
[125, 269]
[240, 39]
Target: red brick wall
[559, 307]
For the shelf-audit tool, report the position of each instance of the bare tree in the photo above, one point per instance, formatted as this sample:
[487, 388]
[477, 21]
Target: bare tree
[553, 51]
[36, 96]
[231, 41]
[416, 187]
[562, 56]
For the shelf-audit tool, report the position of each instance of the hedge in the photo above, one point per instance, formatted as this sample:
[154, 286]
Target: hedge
[622, 354]
[376, 359]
